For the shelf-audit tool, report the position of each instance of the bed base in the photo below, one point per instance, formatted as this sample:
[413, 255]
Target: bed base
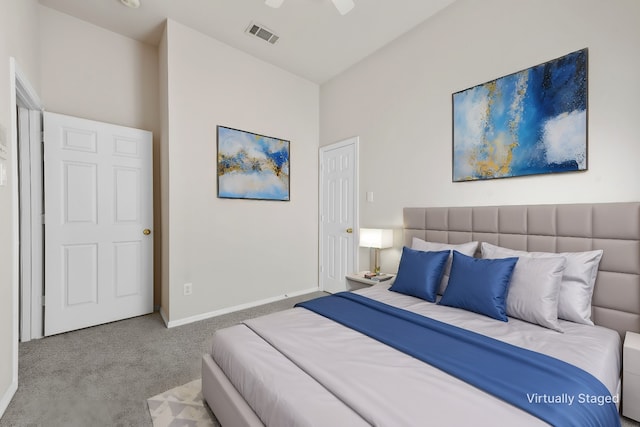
[224, 400]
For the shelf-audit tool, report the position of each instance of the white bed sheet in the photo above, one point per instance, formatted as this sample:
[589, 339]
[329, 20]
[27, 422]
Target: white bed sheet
[594, 349]
[372, 383]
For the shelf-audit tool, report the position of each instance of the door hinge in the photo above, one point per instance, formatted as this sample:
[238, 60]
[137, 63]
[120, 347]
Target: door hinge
[43, 301]
[43, 219]
[42, 137]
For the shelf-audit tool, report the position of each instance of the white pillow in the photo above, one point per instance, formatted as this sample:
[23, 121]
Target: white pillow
[578, 279]
[468, 249]
[534, 290]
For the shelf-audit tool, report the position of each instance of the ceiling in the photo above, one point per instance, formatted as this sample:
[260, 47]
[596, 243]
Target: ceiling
[316, 42]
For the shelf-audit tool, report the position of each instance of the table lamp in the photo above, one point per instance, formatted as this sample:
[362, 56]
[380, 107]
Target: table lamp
[376, 239]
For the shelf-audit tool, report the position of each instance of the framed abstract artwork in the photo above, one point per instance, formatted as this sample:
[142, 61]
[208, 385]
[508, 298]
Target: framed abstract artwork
[252, 166]
[527, 123]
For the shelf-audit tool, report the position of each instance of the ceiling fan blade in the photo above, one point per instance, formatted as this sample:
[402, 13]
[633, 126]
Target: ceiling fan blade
[274, 3]
[343, 6]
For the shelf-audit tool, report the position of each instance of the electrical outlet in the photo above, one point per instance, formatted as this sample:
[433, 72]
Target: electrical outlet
[188, 288]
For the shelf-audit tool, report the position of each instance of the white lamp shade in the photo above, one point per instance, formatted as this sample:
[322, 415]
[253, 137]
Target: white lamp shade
[376, 238]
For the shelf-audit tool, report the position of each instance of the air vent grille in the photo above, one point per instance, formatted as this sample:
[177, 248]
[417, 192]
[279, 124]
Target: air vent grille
[261, 32]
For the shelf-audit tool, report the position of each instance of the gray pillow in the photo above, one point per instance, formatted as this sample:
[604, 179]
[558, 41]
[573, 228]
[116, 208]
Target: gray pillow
[578, 279]
[468, 249]
[534, 290]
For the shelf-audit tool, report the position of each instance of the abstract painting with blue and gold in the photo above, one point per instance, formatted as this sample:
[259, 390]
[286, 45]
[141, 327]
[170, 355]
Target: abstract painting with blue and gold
[527, 123]
[252, 166]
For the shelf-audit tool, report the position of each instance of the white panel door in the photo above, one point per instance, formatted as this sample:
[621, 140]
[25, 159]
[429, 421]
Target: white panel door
[338, 215]
[99, 217]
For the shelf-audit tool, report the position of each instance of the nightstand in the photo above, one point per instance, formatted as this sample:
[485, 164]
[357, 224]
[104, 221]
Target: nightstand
[631, 376]
[356, 280]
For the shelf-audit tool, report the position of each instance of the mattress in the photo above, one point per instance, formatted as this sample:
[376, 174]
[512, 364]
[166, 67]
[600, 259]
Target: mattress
[296, 368]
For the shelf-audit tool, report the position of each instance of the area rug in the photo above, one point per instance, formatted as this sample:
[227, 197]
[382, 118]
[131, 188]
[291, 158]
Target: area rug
[181, 406]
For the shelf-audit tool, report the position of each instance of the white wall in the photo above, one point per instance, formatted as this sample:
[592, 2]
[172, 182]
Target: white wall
[236, 252]
[18, 39]
[399, 102]
[96, 74]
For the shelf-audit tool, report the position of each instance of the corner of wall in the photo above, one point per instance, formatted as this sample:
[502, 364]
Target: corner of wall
[162, 169]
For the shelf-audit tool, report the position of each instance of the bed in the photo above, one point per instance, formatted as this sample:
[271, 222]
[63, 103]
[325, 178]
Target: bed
[298, 367]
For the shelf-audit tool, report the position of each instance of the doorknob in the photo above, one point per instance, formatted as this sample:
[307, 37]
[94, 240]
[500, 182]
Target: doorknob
[349, 230]
[146, 231]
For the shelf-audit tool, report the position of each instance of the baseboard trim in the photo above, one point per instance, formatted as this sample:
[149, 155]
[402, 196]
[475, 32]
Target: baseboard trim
[187, 320]
[8, 395]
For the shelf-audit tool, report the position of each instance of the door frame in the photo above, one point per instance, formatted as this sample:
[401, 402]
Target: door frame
[31, 223]
[20, 90]
[27, 285]
[355, 141]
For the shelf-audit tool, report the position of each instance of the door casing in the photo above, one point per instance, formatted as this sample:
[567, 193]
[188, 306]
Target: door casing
[28, 315]
[31, 223]
[21, 93]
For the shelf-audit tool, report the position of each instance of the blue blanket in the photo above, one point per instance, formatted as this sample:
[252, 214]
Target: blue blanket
[550, 389]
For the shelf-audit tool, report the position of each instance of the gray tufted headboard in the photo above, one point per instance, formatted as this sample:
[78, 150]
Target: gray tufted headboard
[613, 227]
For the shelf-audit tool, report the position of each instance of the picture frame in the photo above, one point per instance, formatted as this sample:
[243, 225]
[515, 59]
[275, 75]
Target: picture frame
[531, 122]
[252, 166]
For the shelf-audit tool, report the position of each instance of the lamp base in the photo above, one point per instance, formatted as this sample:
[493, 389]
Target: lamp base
[376, 261]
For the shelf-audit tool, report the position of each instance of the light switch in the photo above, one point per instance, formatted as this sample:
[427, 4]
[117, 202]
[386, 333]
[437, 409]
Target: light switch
[369, 196]
[3, 173]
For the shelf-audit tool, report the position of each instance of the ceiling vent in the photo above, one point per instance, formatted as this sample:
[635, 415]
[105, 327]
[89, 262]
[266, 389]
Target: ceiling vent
[258, 30]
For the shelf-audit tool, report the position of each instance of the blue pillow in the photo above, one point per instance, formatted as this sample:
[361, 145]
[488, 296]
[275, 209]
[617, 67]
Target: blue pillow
[479, 285]
[420, 273]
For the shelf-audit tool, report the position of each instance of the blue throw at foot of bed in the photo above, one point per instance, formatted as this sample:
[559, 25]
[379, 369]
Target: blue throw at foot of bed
[550, 389]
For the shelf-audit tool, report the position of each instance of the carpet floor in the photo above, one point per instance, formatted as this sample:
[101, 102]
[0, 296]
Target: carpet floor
[103, 376]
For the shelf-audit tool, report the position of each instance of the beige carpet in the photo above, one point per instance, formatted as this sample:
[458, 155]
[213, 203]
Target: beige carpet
[181, 407]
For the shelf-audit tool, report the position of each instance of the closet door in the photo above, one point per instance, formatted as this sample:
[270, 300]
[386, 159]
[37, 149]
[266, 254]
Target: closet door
[98, 222]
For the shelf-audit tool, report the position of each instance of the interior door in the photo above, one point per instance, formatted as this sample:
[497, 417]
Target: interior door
[98, 222]
[338, 217]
